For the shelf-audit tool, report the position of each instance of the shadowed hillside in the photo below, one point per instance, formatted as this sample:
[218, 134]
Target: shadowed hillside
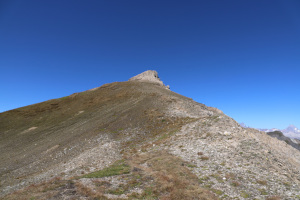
[279, 135]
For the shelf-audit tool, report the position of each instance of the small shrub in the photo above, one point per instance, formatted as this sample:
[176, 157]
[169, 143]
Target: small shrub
[273, 198]
[200, 153]
[218, 192]
[203, 179]
[191, 165]
[230, 176]
[215, 175]
[263, 192]
[117, 191]
[204, 158]
[144, 149]
[286, 184]
[245, 194]
[262, 182]
[84, 190]
[88, 192]
[218, 177]
[149, 193]
[235, 184]
[101, 183]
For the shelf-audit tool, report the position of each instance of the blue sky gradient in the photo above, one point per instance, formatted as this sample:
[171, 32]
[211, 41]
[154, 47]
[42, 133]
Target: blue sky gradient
[242, 57]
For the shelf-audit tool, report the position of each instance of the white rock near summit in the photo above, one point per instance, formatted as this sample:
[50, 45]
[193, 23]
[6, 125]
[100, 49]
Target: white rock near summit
[149, 76]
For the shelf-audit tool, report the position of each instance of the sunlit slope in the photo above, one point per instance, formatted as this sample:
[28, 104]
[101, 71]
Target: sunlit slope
[35, 138]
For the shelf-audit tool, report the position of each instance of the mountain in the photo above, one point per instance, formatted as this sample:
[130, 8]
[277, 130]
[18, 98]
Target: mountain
[289, 135]
[139, 140]
[279, 135]
[268, 130]
[292, 132]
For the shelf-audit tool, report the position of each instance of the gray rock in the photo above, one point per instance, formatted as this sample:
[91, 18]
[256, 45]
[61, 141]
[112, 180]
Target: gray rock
[150, 76]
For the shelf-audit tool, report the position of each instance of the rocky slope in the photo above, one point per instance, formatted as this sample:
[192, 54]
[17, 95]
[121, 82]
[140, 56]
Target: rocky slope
[139, 140]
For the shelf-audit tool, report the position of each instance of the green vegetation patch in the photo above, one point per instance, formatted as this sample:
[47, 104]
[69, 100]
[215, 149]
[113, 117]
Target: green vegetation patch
[191, 166]
[118, 168]
[245, 194]
[218, 192]
[263, 192]
[117, 191]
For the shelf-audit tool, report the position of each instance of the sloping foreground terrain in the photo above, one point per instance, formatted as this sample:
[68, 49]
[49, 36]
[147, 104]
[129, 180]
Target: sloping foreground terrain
[139, 140]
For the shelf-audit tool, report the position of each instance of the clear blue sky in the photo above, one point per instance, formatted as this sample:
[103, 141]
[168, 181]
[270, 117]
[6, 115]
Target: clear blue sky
[242, 57]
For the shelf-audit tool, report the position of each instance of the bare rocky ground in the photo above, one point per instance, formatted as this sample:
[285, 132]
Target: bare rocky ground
[237, 163]
[138, 140]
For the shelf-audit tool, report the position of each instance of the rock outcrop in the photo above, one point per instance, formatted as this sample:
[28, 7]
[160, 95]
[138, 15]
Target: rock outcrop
[150, 76]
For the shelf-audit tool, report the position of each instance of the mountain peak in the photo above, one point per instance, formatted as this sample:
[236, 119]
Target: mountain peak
[291, 126]
[149, 76]
[292, 132]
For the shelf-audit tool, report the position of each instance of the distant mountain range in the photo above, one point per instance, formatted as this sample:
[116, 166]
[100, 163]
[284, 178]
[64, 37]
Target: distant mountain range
[291, 141]
[291, 131]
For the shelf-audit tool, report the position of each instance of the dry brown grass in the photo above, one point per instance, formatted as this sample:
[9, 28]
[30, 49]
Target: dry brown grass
[230, 176]
[204, 158]
[165, 178]
[235, 183]
[262, 182]
[273, 198]
[88, 192]
[43, 190]
[85, 191]
[173, 181]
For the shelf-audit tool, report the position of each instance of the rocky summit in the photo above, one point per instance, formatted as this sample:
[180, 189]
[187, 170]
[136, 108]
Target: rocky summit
[150, 76]
[138, 140]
